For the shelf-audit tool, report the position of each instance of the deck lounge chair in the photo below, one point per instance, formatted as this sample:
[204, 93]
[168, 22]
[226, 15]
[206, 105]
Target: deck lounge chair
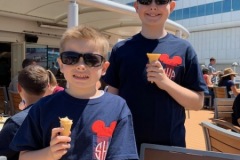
[160, 152]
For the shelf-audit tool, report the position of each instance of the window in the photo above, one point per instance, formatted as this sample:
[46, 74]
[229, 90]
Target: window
[218, 7]
[193, 12]
[209, 9]
[235, 5]
[226, 6]
[202, 10]
[185, 13]
[179, 14]
[42, 54]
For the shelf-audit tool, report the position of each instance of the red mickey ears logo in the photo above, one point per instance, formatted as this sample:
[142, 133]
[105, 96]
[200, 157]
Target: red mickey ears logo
[175, 61]
[100, 128]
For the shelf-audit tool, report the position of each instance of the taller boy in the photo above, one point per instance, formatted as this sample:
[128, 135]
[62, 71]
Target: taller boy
[158, 108]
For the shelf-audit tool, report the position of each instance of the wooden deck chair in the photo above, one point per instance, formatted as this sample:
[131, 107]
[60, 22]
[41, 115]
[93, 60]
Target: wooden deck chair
[226, 125]
[223, 108]
[14, 99]
[219, 139]
[160, 152]
[4, 107]
[220, 92]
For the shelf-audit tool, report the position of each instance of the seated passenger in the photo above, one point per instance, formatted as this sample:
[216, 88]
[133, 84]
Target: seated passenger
[227, 80]
[207, 79]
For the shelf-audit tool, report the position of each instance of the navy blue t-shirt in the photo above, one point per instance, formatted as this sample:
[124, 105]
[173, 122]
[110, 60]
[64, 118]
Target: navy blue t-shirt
[8, 131]
[228, 83]
[157, 117]
[236, 110]
[102, 127]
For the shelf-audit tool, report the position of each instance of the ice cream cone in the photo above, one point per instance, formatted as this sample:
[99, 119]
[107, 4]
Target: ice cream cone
[153, 56]
[66, 124]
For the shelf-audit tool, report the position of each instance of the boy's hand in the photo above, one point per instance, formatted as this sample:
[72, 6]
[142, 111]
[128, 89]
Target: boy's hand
[59, 144]
[156, 73]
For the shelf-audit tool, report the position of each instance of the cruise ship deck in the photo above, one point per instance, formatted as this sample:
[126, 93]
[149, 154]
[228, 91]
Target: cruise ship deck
[194, 133]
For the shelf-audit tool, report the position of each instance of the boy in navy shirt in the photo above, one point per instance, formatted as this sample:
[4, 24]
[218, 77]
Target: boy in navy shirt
[102, 123]
[157, 93]
[32, 85]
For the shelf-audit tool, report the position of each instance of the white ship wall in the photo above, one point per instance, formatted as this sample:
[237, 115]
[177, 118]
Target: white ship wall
[216, 35]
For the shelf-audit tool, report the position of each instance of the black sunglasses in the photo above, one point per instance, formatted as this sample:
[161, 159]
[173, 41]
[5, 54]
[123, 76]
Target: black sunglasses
[90, 59]
[158, 2]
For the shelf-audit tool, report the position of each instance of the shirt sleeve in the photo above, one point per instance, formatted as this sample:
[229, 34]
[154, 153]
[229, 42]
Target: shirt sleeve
[193, 77]
[123, 145]
[29, 135]
[6, 135]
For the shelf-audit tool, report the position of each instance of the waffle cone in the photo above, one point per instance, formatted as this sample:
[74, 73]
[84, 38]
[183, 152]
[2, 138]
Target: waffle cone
[66, 124]
[153, 56]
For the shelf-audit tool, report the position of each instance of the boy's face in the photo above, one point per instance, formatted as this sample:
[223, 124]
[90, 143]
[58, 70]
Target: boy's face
[153, 14]
[81, 75]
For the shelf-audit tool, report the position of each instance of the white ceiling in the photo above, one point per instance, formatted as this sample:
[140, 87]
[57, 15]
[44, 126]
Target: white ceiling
[110, 17]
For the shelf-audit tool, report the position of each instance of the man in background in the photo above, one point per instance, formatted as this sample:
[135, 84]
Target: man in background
[54, 69]
[13, 84]
[212, 70]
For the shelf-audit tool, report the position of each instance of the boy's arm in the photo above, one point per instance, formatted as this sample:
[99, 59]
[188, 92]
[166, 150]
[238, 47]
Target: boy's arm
[185, 97]
[36, 155]
[58, 147]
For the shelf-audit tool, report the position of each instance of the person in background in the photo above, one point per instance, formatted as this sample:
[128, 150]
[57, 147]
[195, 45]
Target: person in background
[157, 93]
[207, 78]
[227, 80]
[53, 85]
[13, 84]
[102, 122]
[213, 71]
[32, 85]
[54, 69]
[209, 84]
[236, 111]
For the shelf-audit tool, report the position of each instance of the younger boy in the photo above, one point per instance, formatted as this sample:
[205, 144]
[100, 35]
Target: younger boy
[32, 85]
[102, 122]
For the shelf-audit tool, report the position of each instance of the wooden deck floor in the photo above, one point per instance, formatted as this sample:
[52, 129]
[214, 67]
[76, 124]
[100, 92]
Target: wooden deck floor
[194, 133]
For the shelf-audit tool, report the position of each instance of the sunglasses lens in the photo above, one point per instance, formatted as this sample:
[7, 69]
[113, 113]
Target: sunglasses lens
[70, 58]
[145, 2]
[159, 2]
[92, 60]
[148, 2]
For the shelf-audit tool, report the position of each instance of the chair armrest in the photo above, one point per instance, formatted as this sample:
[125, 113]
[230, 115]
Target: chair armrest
[226, 124]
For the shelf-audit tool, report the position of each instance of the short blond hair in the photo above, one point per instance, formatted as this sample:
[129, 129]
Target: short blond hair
[83, 32]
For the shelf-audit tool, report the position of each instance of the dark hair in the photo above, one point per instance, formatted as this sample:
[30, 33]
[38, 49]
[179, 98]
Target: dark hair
[26, 62]
[212, 59]
[33, 79]
[205, 71]
[221, 81]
